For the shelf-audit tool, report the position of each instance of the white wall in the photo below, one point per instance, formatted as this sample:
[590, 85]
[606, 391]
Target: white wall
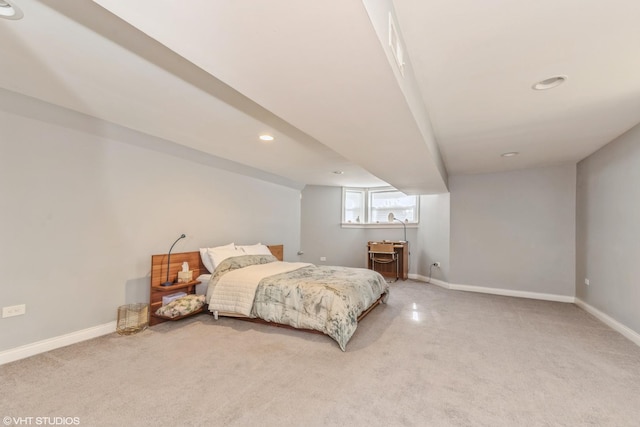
[515, 230]
[432, 243]
[321, 234]
[82, 213]
[608, 230]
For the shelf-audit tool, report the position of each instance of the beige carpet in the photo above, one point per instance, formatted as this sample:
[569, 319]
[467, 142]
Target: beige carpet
[430, 357]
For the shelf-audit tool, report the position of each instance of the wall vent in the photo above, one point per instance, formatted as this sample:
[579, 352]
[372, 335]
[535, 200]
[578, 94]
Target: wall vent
[395, 44]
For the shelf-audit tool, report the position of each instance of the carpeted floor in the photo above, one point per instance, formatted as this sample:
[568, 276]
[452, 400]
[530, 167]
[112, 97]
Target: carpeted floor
[430, 357]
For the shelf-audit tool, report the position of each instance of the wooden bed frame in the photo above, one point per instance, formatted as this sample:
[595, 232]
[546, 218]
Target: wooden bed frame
[159, 276]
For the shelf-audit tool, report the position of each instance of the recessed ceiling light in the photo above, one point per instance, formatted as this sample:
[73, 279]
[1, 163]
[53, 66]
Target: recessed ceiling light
[9, 10]
[266, 137]
[338, 172]
[510, 154]
[549, 83]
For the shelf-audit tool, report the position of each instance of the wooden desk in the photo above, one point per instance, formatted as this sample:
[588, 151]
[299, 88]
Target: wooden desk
[389, 270]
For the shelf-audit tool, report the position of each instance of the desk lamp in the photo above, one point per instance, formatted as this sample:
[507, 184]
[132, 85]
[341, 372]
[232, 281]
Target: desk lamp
[392, 218]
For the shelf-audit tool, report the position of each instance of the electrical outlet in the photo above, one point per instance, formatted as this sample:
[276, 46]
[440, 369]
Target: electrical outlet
[436, 264]
[14, 310]
[586, 282]
[323, 258]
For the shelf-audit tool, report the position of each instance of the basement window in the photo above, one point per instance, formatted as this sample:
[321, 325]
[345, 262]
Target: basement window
[370, 207]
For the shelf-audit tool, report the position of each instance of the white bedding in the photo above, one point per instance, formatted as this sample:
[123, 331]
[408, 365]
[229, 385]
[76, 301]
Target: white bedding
[328, 299]
[236, 290]
[201, 289]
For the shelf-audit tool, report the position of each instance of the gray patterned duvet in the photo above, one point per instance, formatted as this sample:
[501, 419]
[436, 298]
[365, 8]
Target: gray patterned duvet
[323, 298]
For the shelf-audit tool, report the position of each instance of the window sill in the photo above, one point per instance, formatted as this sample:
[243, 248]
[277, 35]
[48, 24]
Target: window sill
[377, 225]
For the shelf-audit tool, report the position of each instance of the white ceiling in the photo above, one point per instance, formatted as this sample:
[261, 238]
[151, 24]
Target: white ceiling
[477, 61]
[212, 75]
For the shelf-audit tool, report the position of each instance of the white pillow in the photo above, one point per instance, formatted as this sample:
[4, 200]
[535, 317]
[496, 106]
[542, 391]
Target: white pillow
[204, 256]
[217, 255]
[257, 249]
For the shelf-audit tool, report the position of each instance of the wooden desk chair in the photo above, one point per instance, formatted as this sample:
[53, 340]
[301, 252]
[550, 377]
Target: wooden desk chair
[383, 253]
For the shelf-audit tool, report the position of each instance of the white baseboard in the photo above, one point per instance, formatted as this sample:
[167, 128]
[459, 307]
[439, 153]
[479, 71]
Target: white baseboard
[495, 291]
[610, 321]
[433, 281]
[55, 342]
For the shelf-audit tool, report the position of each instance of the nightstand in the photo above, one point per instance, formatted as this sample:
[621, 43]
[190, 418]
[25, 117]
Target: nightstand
[159, 291]
[159, 275]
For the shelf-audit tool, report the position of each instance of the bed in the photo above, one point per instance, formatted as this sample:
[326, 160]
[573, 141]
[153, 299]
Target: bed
[253, 283]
